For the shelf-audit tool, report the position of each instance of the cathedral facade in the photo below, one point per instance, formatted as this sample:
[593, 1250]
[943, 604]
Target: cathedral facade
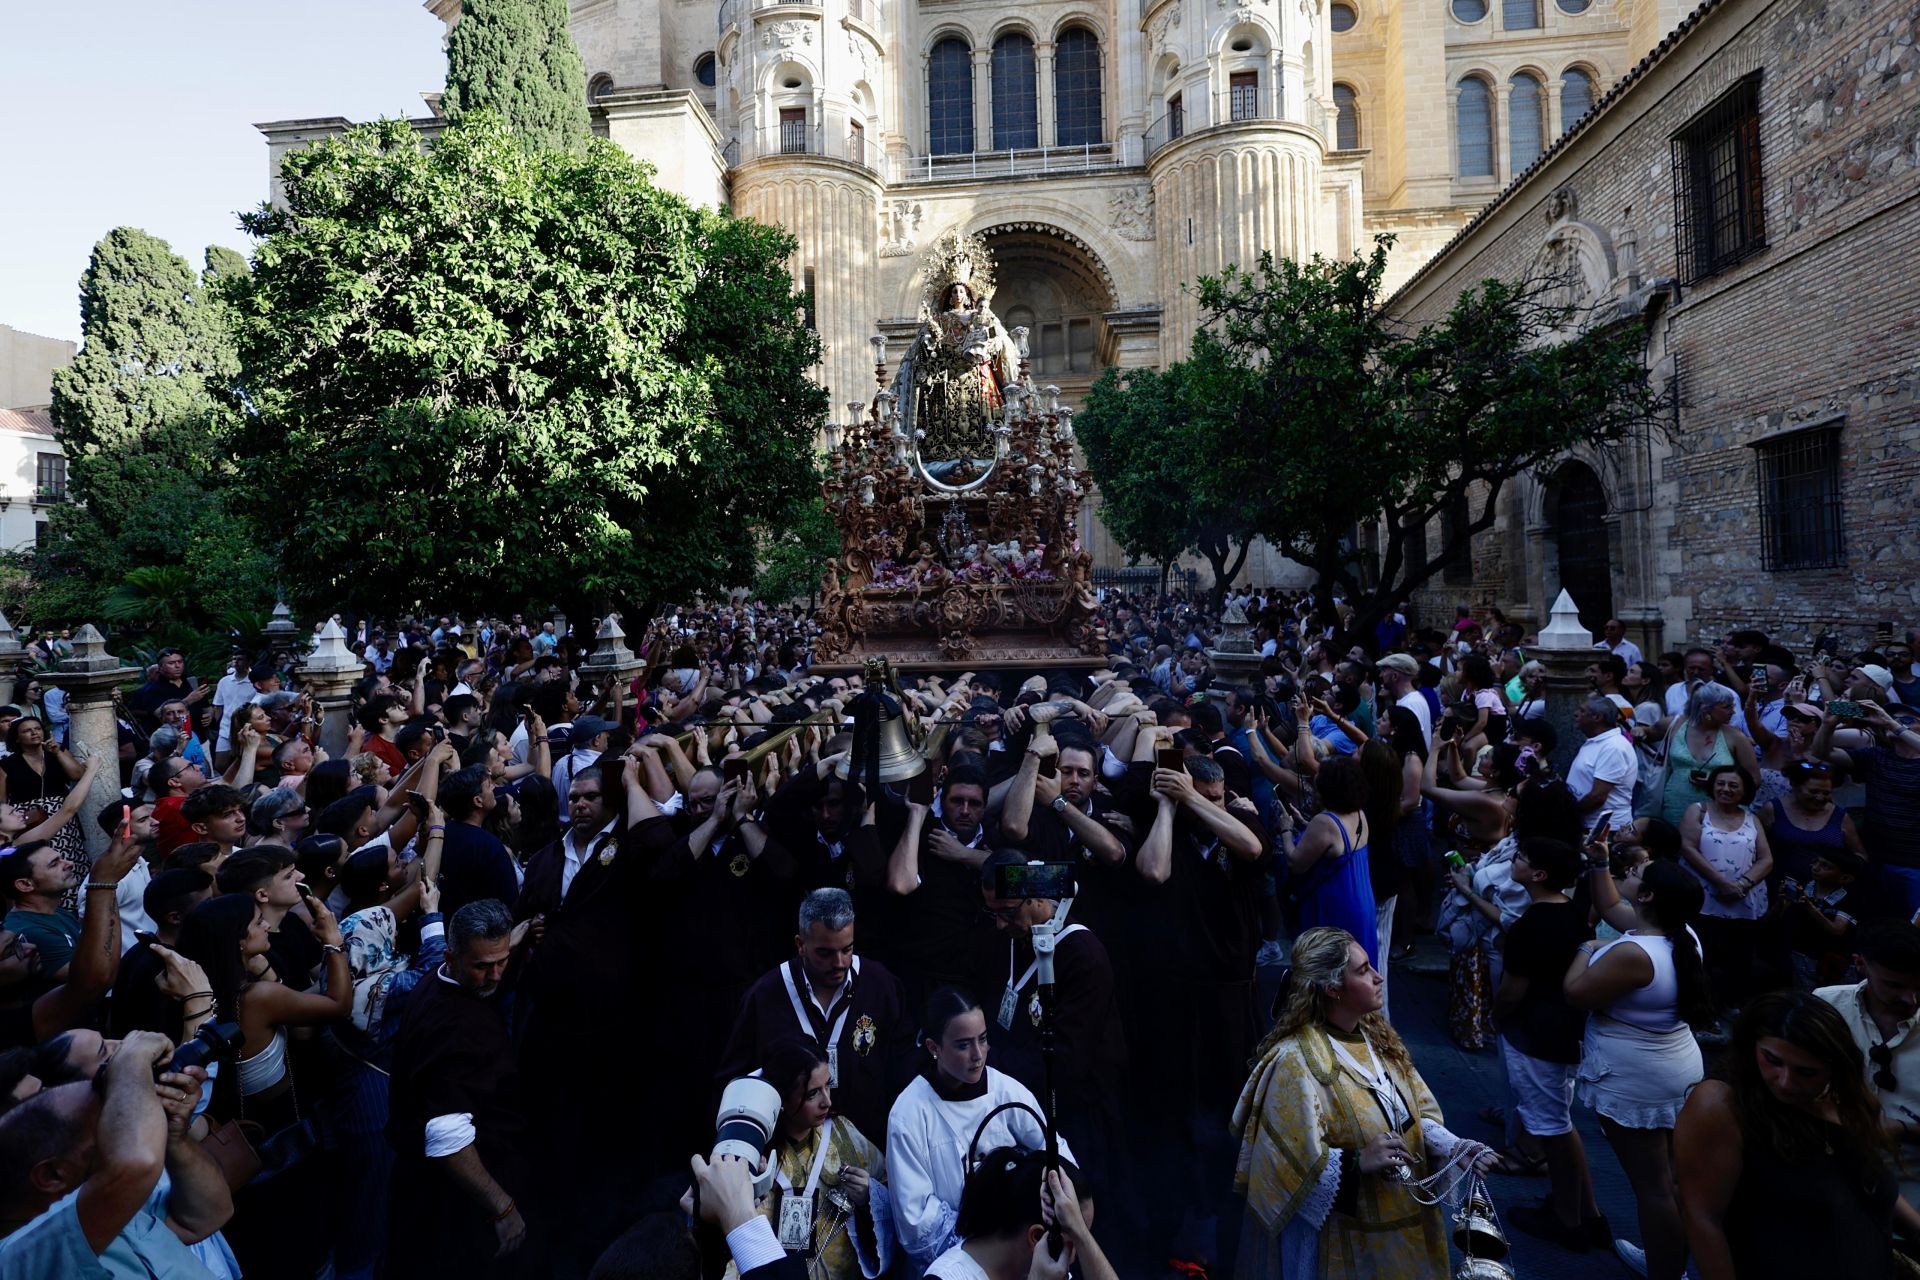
[1110, 152]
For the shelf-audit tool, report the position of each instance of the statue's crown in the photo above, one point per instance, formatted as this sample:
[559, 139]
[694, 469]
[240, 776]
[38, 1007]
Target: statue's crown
[957, 258]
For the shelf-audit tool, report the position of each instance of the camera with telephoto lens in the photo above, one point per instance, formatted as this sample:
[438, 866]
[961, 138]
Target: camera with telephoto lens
[214, 1042]
[749, 1110]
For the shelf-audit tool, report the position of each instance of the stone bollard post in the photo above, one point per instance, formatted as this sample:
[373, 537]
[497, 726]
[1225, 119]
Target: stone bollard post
[13, 656]
[611, 657]
[281, 636]
[90, 677]
[329, 674]
[1565, 649]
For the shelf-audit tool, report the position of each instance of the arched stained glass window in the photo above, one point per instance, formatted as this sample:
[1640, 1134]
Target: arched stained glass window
[1526, 121]
[1016, 106]
[1576, 96]
[1347, 127]
[950, 98]
[1473, 128]
[1076, 88]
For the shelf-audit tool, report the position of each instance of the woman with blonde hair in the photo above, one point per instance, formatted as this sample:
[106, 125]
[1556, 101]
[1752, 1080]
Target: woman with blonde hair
[1336, 1124]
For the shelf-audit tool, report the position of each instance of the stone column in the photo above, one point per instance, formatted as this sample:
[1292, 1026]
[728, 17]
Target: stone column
[90, 678]
[13, 655]
[329, 674]
[1565, 648]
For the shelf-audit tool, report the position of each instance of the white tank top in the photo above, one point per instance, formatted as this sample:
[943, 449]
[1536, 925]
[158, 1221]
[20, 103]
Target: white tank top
[1654, 1008]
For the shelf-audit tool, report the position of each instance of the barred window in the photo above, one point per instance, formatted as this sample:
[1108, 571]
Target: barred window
[1176, 117]
[950, 99]
[1016, 111]
[1346, 129]
[1526, 121]
[1243, 95]
[793, 130]
[1076, 88]
[1519, 15]
[1800, 525]
[1718, 192]
[1473, 128]
[1576, 96]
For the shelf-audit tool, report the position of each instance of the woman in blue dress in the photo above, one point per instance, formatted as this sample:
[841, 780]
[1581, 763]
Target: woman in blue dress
[1327, 866]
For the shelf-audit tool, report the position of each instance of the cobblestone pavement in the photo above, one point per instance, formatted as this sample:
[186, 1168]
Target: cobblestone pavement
[1465, 1082]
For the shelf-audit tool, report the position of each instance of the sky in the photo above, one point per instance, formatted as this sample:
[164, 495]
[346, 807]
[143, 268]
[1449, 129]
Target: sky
[141, 113]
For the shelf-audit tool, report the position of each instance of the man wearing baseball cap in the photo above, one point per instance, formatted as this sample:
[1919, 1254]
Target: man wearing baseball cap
[1397, 674]
[588, 740]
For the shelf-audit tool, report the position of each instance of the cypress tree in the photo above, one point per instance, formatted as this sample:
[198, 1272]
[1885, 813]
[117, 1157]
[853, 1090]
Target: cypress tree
[137, 409]
[517, 59]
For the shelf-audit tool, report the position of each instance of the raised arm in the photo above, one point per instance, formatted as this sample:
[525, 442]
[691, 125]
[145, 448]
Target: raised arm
[903, 867]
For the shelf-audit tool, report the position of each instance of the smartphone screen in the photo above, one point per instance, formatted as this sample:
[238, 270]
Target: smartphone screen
[1171, 758]
[1049, 766]
[734, 767]
[1034, 880]
[920, 789]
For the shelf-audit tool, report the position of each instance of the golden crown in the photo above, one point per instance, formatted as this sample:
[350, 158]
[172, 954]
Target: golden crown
[957, 258]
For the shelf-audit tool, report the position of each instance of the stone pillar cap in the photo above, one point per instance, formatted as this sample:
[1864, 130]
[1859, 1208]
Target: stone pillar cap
[330, 654]
[1564, 631]
[90, 663]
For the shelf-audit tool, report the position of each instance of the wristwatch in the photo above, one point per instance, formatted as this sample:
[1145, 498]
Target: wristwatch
[1059, 804]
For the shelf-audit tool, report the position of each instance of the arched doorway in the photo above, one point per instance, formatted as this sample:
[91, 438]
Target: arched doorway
[1578, 512]
[1052, 282]
[1048, 281]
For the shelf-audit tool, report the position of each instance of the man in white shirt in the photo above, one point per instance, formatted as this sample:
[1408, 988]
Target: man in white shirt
[1605, 768]
[1614, 641]
[1881, 1013]
[1397, 674]
[1700, 668]
[588, 738]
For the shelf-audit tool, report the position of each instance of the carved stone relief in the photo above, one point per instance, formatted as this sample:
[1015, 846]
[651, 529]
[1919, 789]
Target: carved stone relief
[1130, 212]
[785, 35]
[899, 223]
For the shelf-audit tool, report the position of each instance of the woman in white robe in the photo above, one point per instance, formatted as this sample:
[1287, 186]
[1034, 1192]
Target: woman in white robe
[932, 1128]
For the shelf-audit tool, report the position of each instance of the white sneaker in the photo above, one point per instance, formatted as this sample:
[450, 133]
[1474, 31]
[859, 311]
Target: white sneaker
[1632, 1255]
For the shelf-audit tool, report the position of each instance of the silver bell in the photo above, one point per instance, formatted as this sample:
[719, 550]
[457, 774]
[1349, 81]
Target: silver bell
[1482, 1269]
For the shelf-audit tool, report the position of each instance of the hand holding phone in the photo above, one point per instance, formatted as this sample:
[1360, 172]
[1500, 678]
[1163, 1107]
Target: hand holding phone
[419, 804]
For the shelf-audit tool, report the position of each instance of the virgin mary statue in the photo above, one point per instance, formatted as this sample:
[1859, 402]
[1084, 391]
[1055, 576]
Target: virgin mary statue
[954, 379]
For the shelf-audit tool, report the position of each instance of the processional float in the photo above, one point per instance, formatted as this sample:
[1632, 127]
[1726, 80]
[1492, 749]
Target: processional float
[957, 498]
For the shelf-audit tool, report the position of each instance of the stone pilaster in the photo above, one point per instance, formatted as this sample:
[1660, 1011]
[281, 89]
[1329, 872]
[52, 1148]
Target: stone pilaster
[90, 678]
[13, 656]
[328, 674]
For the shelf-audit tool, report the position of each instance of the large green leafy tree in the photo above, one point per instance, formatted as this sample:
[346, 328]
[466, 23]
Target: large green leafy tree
[517, 59]
[142, 418]
[484, 371]
[1158, 455]
[1338, 415]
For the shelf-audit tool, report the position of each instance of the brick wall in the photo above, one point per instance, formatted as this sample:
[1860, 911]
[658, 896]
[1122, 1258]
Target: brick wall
[1824, 321]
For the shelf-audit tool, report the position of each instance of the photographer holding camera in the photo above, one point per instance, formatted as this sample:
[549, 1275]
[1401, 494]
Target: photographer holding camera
[106, 1167]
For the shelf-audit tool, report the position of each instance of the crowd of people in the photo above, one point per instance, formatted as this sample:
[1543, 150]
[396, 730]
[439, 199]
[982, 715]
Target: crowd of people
[463, 997]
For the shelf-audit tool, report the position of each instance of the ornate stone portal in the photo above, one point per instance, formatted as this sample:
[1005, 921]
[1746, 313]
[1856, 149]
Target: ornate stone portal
[957, 498]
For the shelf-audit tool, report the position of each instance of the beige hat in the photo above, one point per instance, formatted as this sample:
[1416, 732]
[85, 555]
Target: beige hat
[1878, 674]
[1400, 662]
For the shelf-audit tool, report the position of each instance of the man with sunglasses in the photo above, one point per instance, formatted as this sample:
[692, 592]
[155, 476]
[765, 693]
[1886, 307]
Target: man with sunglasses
[1882, 1012]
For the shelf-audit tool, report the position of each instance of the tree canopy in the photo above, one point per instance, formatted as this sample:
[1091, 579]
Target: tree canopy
[1307, 411]
[517, 59]
[1158, 455]
[143, 419]
[489, 370]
